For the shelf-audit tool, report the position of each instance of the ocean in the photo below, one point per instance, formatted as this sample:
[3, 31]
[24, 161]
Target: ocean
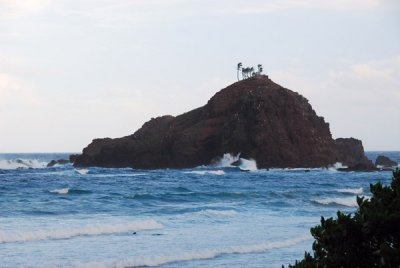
[211, 216]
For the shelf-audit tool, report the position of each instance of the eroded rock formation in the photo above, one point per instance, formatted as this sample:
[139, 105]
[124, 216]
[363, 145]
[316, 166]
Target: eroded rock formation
[255, 117]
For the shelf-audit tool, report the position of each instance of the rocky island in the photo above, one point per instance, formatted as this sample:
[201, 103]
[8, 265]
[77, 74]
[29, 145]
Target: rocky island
[255, 117]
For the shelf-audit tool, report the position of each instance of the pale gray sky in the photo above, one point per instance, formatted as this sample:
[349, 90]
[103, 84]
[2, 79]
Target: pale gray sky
[71, 70]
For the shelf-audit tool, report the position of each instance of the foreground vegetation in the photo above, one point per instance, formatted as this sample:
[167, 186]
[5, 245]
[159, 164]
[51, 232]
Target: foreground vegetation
[369, 238]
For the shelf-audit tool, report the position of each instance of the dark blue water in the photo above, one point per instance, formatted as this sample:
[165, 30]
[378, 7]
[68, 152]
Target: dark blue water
[204, 217]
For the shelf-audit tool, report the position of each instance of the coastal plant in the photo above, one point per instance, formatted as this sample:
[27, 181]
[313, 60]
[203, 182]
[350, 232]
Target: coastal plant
[369, 238]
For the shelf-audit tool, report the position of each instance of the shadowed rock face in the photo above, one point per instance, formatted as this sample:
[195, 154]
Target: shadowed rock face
[255, 117]
[350, 152]
[384, 161]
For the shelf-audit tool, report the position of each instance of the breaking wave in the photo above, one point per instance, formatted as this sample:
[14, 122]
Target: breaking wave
[82, 171]
[229, 160]
[351, 191]
[69, 191]
[348, 202]
[63, 233]
[204, 172]
[60, 191]
[336, 166]
[196, 255]
[21, 164]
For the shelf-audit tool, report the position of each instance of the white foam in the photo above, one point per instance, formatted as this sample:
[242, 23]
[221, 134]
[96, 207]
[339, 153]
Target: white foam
[336, 166]
[204, 172]
[221, 212]
[351, 191]
[93, 229]
[228, 159]
[60, 191]
[295, 169]
[248, 164]
[119, 175]
[348, 202]
[82, 171]
[194, 255]
[21, 163]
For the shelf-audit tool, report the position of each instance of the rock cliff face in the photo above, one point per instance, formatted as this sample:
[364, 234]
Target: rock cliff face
[255, 117]
[350, 152]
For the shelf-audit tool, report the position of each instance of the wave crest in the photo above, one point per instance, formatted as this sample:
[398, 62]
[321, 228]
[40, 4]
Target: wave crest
[204, 172]
[60, 191]
[351, 191]
[198, 255]
[94, 229]
[82, 171]
[348, 202]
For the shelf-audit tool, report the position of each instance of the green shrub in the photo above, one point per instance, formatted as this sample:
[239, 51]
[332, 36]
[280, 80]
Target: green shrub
[370, 238]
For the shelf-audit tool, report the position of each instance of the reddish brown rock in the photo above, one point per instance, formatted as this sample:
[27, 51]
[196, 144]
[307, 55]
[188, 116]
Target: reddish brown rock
[350, 152]
[255, 117]
[384, 161]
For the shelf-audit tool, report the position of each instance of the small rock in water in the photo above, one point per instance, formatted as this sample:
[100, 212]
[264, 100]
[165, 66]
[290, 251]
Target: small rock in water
[55, 162]
[385, 161]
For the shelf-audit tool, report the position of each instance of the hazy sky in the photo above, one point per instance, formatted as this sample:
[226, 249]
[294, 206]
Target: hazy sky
[74, 70]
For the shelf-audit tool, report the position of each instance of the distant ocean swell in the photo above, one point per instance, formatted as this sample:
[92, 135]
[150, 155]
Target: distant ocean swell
[198, 255]
[64, 233]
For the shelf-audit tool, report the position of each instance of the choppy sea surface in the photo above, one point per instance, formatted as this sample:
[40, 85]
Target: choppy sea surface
[214, 216]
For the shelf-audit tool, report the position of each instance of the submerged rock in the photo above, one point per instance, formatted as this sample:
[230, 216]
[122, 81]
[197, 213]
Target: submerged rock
[384, 161]
[255, 117]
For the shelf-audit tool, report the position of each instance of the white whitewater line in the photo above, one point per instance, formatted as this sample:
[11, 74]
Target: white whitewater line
[248, 164]
[204, 172]
[60, 191]
[348, 202]
[228, 159]
[82, 171]
[194, 255]
[94, 229]
[221, 212]
[351, 191]
[118, 175]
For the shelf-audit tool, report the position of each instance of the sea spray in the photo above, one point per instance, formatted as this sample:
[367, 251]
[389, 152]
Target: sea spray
[230, 160]
[21, 164]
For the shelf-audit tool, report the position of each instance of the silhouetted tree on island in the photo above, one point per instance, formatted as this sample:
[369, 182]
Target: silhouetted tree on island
[260, 68]
[370, 238]
[248, 72]
[239, 67]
